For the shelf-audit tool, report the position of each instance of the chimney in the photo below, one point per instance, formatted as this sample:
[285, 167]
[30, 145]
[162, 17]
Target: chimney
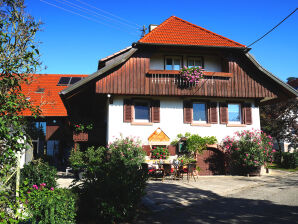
[152, 27]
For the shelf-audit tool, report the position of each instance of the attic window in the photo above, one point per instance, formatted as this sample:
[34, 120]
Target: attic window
[40, 90]
[66, 81]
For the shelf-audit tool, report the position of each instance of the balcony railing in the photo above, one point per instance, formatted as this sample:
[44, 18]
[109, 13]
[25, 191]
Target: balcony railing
[172, 76]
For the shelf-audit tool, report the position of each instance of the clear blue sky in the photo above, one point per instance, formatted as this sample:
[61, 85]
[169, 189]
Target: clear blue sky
[73, 45]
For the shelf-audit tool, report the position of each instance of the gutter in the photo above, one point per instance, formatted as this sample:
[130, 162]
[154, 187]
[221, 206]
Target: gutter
[140, 44]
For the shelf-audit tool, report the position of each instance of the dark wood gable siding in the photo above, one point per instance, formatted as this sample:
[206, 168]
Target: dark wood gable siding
[131, 78]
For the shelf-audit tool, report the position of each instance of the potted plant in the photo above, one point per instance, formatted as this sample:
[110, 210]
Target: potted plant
[81, 131]
[186, 159]
[248, 151]
[159, 152]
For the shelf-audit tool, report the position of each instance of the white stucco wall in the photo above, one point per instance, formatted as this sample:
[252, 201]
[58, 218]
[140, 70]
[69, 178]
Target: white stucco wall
[171, 122]
[211, 63]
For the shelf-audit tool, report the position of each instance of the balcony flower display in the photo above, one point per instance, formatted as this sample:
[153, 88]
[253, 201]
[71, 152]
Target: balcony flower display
[192, 75]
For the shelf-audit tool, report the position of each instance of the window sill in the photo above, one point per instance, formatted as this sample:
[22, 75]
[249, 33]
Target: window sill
[142, 123]
[200, 124]
[212, 146]
[236, 125]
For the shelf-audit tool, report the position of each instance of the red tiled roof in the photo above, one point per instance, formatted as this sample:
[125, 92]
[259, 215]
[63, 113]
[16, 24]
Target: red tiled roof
[49, 100]
[178, 31]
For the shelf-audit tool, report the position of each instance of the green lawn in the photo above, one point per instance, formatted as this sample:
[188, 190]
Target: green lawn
[276, 167]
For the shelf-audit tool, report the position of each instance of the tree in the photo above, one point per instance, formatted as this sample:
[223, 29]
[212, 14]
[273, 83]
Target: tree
[280, 121]
[289, 79]
[19, 59]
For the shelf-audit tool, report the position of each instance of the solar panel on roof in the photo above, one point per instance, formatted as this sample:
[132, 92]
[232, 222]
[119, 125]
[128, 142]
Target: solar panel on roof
[74, 80]
[64, 81]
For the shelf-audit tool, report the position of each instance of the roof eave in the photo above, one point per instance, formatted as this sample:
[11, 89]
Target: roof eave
[90, 78]
[137, 44]
[271, 76]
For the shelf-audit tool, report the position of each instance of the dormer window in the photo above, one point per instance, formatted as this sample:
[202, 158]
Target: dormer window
[173, 63]
[195, 62]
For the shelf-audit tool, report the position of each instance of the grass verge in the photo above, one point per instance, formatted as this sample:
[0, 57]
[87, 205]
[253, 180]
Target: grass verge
[276, 167]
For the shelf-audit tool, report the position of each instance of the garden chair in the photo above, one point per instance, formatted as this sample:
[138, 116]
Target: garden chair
[178, 171]
[167, 170]
[190, 171]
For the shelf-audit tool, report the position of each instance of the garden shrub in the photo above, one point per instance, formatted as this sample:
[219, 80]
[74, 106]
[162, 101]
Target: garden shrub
[288, 160]
[248, 150]
[196, 143]
[10, 211]
[37, 172]
[50, 205]
[113, 183]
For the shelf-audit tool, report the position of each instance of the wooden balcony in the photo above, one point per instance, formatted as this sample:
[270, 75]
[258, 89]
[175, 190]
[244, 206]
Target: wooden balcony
[177, 72]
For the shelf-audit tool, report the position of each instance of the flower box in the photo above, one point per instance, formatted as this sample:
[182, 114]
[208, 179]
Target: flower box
[80, 137]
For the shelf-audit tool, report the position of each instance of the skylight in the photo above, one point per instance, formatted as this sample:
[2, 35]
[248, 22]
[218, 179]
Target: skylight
[40, 90]
[66, 81]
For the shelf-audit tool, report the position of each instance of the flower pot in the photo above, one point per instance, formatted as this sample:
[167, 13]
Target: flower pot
[80, 137]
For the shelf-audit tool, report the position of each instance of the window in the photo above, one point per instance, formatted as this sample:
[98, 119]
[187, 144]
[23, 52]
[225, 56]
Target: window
[52, 147]
[194, 62]
[142, 111]
[173, 63]
[74, 80]
[199, 112]
[66, 81]
[235, 114]
[63, 81]
[234, 111]
[41, 127]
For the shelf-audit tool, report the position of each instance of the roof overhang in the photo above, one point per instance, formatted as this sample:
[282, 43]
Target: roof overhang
[141, 44]
[289, 89]
[116, 61]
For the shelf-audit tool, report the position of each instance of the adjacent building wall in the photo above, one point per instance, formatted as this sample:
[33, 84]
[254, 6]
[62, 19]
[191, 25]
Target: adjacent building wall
[171, 121]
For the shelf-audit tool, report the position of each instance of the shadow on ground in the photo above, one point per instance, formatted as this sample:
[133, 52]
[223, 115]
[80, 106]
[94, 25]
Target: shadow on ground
[180, 204]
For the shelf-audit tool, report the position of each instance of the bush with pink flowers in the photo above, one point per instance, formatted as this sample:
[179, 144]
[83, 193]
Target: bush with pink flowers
[47, 204]
[249, 149]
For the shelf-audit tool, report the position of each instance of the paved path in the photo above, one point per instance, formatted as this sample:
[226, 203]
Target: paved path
[224, 199]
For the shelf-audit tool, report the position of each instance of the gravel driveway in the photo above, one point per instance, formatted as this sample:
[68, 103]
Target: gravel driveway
[223, 199]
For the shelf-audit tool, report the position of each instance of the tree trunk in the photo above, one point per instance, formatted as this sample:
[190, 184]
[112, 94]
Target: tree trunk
[279, 150]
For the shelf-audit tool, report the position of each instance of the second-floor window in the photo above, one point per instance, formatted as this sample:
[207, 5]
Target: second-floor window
[173, 63]
[194, 62]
